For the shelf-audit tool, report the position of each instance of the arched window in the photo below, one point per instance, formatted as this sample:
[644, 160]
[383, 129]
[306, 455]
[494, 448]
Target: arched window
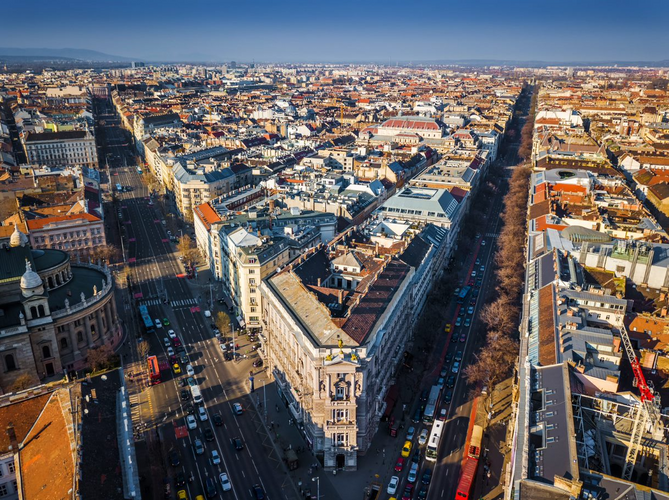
[80, 337]
[92, 330]
[50, 282]
[10, 363]
[46, 352]
[63, 343]
[58, 279]
[33, 312]
[40, 310]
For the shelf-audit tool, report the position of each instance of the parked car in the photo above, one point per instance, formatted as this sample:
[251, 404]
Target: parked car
[458, 356]
[450, 381]
[170, 351]
[456, 367]
[258, 362]
[468, 322]
[458, 322]
[399, 465]
[463, 337]
[185, 394]
[448, 358]
[443, 413]
[427, 476]
[190, 371]
[408, 492]
[176, 368]
[470, 310]
[449, 396]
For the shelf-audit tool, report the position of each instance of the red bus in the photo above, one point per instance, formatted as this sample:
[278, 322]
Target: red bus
[467, 477]
[154, 370]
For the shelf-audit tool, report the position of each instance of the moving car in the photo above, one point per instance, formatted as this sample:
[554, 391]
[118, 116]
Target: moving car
[406, 449]
[210, 486]
[202, 413]
[422, 439]
[408, 492]
[171, 334]
[449, 396]
[450, 382]
[225, 481]
[470, 310]
[458, 321]
[199, 447]
[191, 422]
[237, 443]
[166, 322]
[209, 434]
[399, 465]
[215, 457]
[463, 337]
[392, 485]
[458, 356]
[444, 371]
[443, 413]
[456, 367]
[175, 459]
[468, 322]
[413, 473]
[166, 342]
[217, 419]
[237, 409]
[158, 323]
[170, 351]
[258, 492]
[411, 432]
[427, 476]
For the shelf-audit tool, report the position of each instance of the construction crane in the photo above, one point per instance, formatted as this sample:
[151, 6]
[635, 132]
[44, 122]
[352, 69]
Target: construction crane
[648, 411]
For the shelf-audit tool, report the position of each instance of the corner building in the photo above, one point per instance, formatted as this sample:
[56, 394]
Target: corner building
[337, 322]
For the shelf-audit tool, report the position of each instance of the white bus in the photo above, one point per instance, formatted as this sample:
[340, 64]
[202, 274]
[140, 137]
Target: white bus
[434, 440]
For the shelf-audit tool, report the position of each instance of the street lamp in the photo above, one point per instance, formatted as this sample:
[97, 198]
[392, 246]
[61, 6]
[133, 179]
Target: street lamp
[318, 486]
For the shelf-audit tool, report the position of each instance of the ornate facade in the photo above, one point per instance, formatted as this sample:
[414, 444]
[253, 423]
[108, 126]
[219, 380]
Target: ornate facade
[51, 312]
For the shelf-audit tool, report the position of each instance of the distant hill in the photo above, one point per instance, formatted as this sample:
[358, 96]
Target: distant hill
[54, 54]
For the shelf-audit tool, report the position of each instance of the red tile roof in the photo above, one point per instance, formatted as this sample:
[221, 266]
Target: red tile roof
[37, 224]
[207, 215]
[412, 124]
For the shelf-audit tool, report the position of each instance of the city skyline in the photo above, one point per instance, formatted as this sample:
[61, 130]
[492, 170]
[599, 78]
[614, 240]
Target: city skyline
[350, 32]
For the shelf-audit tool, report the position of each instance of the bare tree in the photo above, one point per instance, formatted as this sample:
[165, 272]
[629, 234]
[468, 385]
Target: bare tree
[187, 249]
[143, 349]
[23, 382]
[100, 357]
[223, 322]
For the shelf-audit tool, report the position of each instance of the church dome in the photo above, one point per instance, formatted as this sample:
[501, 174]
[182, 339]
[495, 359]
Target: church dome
[30, 278]
[18, 239]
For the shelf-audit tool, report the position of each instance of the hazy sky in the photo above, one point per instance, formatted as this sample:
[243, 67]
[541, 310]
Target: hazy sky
[345, 30]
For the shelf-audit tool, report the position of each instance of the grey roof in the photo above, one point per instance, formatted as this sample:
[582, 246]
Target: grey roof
[165, 119]
[185, 175]
[421, 201]
[606, 299]
[578, 234]
[67, 135]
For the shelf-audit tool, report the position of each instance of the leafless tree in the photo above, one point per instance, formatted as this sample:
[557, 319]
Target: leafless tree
[143, 349]
[23, 382]
[100, 357]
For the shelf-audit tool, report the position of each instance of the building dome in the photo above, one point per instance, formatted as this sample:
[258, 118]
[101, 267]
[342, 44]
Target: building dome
[18, 239]
[30, 278]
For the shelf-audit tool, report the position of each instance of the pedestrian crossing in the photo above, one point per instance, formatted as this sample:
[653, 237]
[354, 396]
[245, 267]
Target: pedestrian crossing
[492, 235]
[173, 303]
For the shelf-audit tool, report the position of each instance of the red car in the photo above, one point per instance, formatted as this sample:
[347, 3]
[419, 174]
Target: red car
[463, 338]
[408, 492]
[176, 342]
[399, 465]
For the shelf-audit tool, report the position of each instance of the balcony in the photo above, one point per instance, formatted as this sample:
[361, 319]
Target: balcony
[342, 425]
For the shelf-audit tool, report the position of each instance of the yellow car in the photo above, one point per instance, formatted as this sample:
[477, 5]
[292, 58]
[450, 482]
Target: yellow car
[447, 329]
[176, 368]
[406, 449]
[181, 495]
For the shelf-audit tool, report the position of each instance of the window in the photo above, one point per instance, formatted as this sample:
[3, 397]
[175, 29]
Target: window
[10, 363]
[3, 490]
[63, 343]
[11, 467]
[80, 337]
[46, 352]
[341, 392]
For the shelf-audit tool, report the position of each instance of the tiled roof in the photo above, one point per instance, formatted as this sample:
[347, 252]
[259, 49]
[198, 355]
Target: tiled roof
[22, 415]
[546, 326]
[374, 303]
[410, 123]
[37, 224]
[207, 215]
[46, 461]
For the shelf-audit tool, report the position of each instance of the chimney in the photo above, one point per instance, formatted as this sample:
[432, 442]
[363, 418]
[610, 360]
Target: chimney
[341, 296]
[319, 282]
[11, 433]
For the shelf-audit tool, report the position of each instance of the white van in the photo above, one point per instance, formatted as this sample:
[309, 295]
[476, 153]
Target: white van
[197, 395]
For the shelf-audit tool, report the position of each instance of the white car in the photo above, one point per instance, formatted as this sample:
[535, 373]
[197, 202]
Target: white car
[225, 481]
[190, 371]
[413, 473]
[202, 413]
[167, 342]
[215, 457]
[392, 485]
[170, 351]
[422, 439]
[172, 334]
[158, 324]
[192, 423]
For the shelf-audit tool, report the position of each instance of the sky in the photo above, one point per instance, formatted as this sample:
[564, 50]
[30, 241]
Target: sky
[387, 31]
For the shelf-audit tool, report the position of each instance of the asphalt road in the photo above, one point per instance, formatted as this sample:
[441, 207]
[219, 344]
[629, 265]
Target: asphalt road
[154, 268]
